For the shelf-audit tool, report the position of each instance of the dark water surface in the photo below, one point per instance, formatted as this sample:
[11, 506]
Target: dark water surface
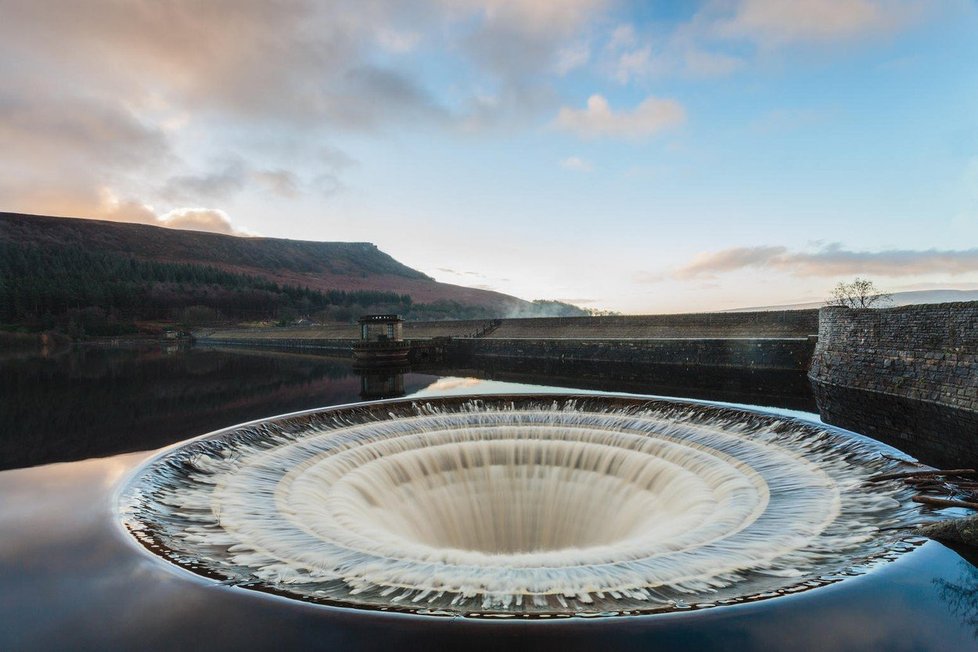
[70, 578]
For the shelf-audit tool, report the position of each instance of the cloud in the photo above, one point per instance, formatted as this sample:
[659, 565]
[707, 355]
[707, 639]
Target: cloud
[599, 120]
[334, 159]
[280, 182]
[622, 37]
[685, 59]
[111, 114]
[576, 164]
[686, 50]
[104, 204]
[397, 41]
[712, 42]
[58, 153]
[704, 63]
[777, 22]
[229, 179]
[111, 207]
[199, 219]
[209, 185]
[728, 260]
[517, 46]
[55, 147]
[541, 16]
[373, 92]
[295, 61]
[140, 91]
[42, 127]
[572, 57]
[936, 285]
[636, 63]
[138, 95]
[832, 260]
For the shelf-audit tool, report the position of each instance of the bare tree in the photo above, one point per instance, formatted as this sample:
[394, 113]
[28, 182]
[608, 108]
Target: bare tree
[860, 293]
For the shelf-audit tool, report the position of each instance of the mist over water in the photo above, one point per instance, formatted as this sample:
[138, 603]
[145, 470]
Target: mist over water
[522, 505]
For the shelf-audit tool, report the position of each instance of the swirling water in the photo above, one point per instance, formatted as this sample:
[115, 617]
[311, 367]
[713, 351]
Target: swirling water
[528, 506]
[70, 578]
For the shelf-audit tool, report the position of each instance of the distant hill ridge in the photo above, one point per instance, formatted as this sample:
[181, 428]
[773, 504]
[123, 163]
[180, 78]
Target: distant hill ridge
[909, 298]
[323, 266]
[174, 245]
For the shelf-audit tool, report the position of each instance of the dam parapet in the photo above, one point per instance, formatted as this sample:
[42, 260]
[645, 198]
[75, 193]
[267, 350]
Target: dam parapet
[907, 376]
[763, 340]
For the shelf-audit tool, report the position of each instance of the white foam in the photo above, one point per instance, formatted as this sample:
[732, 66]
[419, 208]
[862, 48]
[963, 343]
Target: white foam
[533, 506]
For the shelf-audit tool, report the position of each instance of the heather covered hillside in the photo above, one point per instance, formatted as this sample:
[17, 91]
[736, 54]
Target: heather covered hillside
[95, 277]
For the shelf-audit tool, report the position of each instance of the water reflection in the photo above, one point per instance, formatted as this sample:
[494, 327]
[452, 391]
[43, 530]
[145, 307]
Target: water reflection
[961, 592]
[69, 578]
[767, 387]
[378, 383]
[93, 402]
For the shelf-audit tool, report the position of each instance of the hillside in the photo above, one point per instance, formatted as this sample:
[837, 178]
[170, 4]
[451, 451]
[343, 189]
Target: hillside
[85, 277]
[324, 266]
[910, 298]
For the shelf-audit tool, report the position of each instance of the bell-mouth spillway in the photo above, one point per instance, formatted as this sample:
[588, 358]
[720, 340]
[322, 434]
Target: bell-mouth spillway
[523, 505]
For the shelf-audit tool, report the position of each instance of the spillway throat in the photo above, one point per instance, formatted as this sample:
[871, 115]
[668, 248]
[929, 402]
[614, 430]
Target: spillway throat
[523, 506]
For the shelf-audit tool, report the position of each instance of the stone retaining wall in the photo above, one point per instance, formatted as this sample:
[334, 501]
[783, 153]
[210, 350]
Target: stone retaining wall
[775, 323]
[926, 353]
[907, 375]
[341, 347]
[706, 352]
[778, 323]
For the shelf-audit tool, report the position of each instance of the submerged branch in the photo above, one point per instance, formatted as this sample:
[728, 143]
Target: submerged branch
[943, 502]
[921, 474]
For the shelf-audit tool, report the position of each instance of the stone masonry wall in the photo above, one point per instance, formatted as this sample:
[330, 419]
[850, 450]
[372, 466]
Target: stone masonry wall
[926, 353]
[775, 323]
[907, 375]
[742, 353]
[328, 346]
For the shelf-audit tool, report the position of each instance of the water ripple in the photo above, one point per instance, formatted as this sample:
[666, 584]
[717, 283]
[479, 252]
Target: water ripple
[523, 505]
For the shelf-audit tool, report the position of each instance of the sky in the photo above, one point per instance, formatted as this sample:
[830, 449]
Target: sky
[638, 157]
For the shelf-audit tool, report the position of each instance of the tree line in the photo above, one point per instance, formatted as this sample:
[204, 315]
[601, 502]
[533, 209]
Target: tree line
[71, 288]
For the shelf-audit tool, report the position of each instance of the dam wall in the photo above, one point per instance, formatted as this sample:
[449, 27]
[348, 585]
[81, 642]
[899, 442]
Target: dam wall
[763, 324]
[740, 353]
[332, 346]
[907, 376]
[748, 340]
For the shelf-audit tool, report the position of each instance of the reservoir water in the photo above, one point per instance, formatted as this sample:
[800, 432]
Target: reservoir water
[74, 426]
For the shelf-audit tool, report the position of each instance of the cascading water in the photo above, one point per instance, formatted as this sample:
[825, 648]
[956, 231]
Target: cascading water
[522, 505]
